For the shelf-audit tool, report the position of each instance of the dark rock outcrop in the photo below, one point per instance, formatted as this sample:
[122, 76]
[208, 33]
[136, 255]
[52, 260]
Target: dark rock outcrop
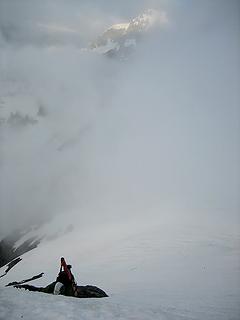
[8, 252]
[15, 283]
[11, 265]
[87, 291]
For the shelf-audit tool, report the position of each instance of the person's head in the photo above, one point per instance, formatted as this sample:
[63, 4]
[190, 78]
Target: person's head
[69, 267]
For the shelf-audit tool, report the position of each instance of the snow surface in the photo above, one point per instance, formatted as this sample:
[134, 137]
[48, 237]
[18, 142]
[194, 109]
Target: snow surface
[26, 305]
[158, 272]
[119, 26]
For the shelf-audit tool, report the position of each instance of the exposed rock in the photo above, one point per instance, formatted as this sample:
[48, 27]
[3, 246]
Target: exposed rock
[8, 252]
[12, 264]
[88, 291]
[15, 283]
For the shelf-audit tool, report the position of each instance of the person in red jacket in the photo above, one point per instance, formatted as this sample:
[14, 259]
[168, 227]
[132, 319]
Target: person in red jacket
[65, 282]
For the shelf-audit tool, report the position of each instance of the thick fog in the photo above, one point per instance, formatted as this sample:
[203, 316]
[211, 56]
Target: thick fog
[155, 136]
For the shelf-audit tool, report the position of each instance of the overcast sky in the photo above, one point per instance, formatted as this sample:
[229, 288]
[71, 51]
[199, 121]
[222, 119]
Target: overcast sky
[51, 22]
[158, 134]
[75, 21]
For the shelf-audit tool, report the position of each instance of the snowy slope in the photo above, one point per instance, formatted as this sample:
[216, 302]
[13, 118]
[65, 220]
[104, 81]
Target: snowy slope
[156, 272]
[17, 306]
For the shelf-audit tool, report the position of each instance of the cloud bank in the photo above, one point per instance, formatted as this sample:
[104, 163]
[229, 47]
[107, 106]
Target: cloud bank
[154, 137]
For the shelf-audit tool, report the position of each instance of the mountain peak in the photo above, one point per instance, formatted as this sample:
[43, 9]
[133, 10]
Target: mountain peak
[148, 19]
[122, 37]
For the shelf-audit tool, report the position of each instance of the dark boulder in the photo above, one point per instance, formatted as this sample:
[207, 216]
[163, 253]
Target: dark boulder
[87, 291]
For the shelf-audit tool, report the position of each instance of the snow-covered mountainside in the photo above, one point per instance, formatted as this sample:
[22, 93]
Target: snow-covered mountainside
[121, 39]
[152, 272]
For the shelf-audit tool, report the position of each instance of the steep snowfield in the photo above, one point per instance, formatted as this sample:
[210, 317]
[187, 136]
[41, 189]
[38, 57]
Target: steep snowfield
[155, 272]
